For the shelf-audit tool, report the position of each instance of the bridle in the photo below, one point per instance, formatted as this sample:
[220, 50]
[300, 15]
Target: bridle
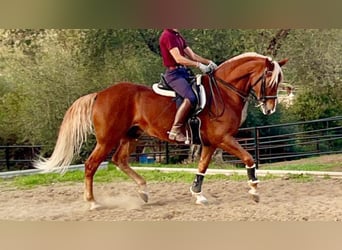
[263, 97]
[245, 96]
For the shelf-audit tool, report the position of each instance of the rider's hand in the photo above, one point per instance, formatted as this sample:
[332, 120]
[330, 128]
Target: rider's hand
[204, 68]
[212, 65]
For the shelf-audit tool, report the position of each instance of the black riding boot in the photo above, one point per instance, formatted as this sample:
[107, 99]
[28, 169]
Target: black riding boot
[180, 118]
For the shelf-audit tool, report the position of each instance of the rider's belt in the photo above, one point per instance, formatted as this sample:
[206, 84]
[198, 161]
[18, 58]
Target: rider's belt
[175, 67]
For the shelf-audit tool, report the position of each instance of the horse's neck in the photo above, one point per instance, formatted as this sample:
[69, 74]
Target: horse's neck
[229, 98]
[236, 89]
[238, 74]
[234, 78]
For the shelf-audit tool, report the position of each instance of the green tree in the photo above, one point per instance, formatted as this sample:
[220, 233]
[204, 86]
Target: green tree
[43, 71]
[315, 69]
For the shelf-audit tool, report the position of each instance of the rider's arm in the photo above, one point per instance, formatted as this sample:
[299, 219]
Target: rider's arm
[181, 59]
[193, 56]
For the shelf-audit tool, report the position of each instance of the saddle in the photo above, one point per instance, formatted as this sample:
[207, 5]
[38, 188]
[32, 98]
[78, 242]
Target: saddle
[194, 122]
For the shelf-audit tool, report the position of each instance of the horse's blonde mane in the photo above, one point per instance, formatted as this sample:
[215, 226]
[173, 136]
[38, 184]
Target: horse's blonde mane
[275, 73]
[248, 54]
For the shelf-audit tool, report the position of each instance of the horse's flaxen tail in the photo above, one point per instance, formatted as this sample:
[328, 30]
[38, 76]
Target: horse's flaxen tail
[76, 125]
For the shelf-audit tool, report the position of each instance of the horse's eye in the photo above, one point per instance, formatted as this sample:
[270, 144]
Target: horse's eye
[269, 73]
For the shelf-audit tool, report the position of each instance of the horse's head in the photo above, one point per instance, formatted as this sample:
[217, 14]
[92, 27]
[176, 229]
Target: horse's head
[265, 85]
[252, 73]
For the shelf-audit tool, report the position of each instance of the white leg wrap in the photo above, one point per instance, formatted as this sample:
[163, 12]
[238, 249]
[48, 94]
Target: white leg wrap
[253, 166]
[254, 182]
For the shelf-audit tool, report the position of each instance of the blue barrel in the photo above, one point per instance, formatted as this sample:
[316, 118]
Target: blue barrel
[150, 159]
[143, 159]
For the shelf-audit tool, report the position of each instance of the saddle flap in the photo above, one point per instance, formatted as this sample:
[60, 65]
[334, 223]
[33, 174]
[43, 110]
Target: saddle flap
[162, 88]
[199, 91]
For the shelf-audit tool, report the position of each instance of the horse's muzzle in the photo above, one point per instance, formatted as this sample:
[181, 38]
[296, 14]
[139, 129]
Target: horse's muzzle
[268, 107]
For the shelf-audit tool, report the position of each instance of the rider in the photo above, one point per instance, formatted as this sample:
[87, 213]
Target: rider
[176, 55]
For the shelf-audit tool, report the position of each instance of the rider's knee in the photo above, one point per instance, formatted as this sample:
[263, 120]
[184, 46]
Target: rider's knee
[193, 100]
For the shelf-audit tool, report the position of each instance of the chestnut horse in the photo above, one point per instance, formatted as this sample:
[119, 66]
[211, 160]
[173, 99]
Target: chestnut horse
[119, 114]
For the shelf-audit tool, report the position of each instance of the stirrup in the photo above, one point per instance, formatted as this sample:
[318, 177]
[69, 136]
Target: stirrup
[179, 137]
[176, 136]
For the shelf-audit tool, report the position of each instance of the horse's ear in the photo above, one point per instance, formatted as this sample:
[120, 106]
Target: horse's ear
[283, 62]
[269, 64]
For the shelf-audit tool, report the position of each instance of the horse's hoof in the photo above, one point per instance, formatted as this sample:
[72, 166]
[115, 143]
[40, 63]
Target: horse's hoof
[94, 206]
[143, 195]
[254, 195]
[253, 191]
[200, 199]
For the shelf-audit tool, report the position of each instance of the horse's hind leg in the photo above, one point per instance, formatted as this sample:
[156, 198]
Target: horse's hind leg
[121, 157]
[97, 156]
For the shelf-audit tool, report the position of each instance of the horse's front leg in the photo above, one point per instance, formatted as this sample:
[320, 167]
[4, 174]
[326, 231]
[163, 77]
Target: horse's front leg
[196, 188]
[231, 146]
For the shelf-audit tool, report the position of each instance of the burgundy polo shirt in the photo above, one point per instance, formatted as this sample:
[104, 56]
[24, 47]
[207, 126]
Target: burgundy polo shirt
[168, 40]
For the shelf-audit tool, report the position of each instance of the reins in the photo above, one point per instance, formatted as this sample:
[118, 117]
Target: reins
[244, 96]
[231, 87]
[212, 85]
